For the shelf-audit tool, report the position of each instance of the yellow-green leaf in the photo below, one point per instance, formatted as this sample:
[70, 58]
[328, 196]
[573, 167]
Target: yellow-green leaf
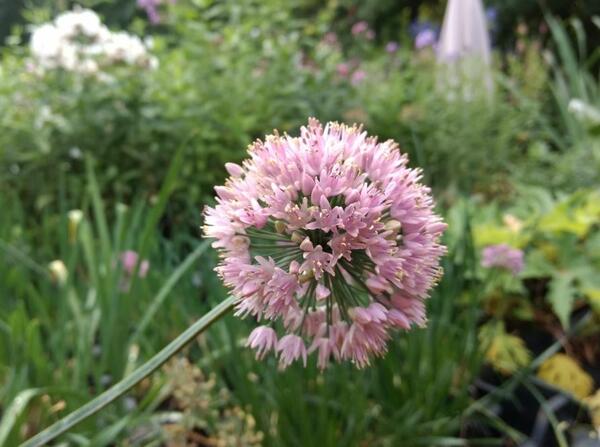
[593, 404]
[564, 372]
[490, 234]
[505, 352]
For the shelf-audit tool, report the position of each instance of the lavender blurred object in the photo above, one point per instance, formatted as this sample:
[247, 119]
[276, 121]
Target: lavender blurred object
[503, 256]
[425, 38]
[391, 47]
[151, 8]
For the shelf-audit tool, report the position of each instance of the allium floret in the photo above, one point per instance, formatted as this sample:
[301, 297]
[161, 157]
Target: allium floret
[330, 239]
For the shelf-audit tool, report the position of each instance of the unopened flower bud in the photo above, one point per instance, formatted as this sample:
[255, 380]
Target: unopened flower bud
[297, 237]
[58, 272]
[306, 276]
[393, 225]
[306, 245]
[234, 169]
[280, 226]
[75, 217]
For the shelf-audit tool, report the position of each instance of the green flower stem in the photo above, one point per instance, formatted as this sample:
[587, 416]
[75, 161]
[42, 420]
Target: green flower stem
[116, 391]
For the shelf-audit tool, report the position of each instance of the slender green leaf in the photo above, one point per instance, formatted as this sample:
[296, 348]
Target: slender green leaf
[167, 287]
[14, 410]
[130, 381]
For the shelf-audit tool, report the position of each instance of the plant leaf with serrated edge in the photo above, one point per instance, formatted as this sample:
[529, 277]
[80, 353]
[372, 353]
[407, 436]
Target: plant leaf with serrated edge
[505, 352]
[561, 295]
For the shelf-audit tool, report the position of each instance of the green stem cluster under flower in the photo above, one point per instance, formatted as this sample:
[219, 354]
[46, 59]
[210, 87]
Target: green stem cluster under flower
[283, 250]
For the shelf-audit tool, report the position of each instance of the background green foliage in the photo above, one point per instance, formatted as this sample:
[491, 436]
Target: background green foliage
[139, 151]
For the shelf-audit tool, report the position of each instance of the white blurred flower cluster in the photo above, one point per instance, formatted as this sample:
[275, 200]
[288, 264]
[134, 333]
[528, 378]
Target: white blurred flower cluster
[77, 41]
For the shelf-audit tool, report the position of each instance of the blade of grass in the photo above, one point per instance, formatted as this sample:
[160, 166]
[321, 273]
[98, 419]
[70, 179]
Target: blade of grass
[15, 409]
[130, 381]
[108, 434]
[97, 205]
[558, 433]
[168, 186]
[166, 289]
[23, 258]
[443, 441]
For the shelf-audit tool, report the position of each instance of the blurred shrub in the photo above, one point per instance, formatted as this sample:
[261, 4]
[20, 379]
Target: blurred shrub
[228, 73]
[200, 409]
[561, 240]
[388, 17]
[509, 13]
[75, 317]
[576, 92]
[464, 143]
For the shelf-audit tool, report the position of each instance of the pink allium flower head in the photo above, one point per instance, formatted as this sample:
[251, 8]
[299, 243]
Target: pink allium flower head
[360, 27]
[343, 69]
[503, 256]
[331, 239]
[129, 259]
[358, 76]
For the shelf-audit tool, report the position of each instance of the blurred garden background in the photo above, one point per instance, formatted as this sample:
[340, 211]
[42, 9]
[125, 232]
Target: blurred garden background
[109, 153]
